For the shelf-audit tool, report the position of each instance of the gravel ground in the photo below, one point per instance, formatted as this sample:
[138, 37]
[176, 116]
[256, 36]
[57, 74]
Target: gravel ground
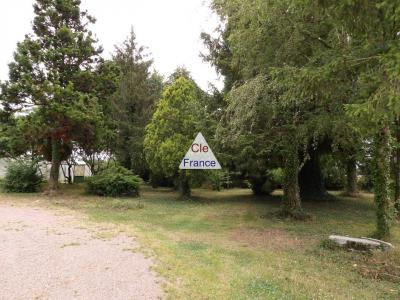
[47, 255]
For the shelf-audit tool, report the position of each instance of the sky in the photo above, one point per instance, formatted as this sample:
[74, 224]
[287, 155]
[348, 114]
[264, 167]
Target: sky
[170, 29]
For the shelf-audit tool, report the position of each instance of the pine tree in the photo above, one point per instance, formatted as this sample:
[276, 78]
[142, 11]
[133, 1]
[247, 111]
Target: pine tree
[175, 122]
[137, 92]
[51, 75]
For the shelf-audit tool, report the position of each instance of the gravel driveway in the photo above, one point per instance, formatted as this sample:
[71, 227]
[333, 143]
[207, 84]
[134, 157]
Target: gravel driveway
[48, 255]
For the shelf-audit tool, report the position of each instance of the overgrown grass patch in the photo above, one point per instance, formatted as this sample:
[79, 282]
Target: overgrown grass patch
[257, 288]
[218, 245]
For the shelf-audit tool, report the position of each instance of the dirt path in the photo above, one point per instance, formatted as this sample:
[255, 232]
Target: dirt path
[47, 255]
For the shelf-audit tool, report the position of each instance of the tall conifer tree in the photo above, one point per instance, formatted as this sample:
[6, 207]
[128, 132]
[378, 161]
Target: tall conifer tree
[51, 74]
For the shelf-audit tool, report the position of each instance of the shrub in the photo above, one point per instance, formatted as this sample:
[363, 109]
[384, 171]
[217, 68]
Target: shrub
[261, 185]
[266, 183]
[114, 181]
[215, 178]
[333, 172]
[22, 177]
[276, 177]
[365, 183]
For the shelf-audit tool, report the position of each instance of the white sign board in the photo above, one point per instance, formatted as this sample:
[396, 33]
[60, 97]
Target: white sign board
[200, 156]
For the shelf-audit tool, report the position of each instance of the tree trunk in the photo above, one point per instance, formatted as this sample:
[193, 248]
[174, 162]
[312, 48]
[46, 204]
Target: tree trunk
[68, 176]
[311, 181]
[69, 173]
[184, 185]
[292, 203]
[257, 185]
[351, 176]
[381, 182]
[397, 171]
[92, 169]
[55, 164]
[127, 161]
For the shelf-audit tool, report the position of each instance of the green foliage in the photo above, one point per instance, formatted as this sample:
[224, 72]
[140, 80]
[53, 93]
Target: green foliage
[97, 149]
[216, 178]
[228, 181]
[265, 187]
[174, 125]
[333, 172]
[52, 71]
[11, 130]
[381, 175]
[22, 177]
[242, 134]
[322, 75]
[133, 103]
[276, 176]
[375, 56]
[114, 181]
[365, 183]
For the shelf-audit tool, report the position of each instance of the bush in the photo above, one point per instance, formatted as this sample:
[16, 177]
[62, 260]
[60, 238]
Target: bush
[22, 177]
[333, 172]
[276, 177]
[215, 178]
[365, 183]
[267, 183]
[261, 185]
[114, 181]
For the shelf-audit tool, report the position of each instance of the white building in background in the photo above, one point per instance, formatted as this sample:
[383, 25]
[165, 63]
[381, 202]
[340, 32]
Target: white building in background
[3, 167]
[78, 172]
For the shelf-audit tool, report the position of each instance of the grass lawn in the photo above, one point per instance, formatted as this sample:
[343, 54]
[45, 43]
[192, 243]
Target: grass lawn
[227, 245]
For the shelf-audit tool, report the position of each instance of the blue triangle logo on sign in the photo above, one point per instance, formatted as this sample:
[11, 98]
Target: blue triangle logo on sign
[200, 156]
